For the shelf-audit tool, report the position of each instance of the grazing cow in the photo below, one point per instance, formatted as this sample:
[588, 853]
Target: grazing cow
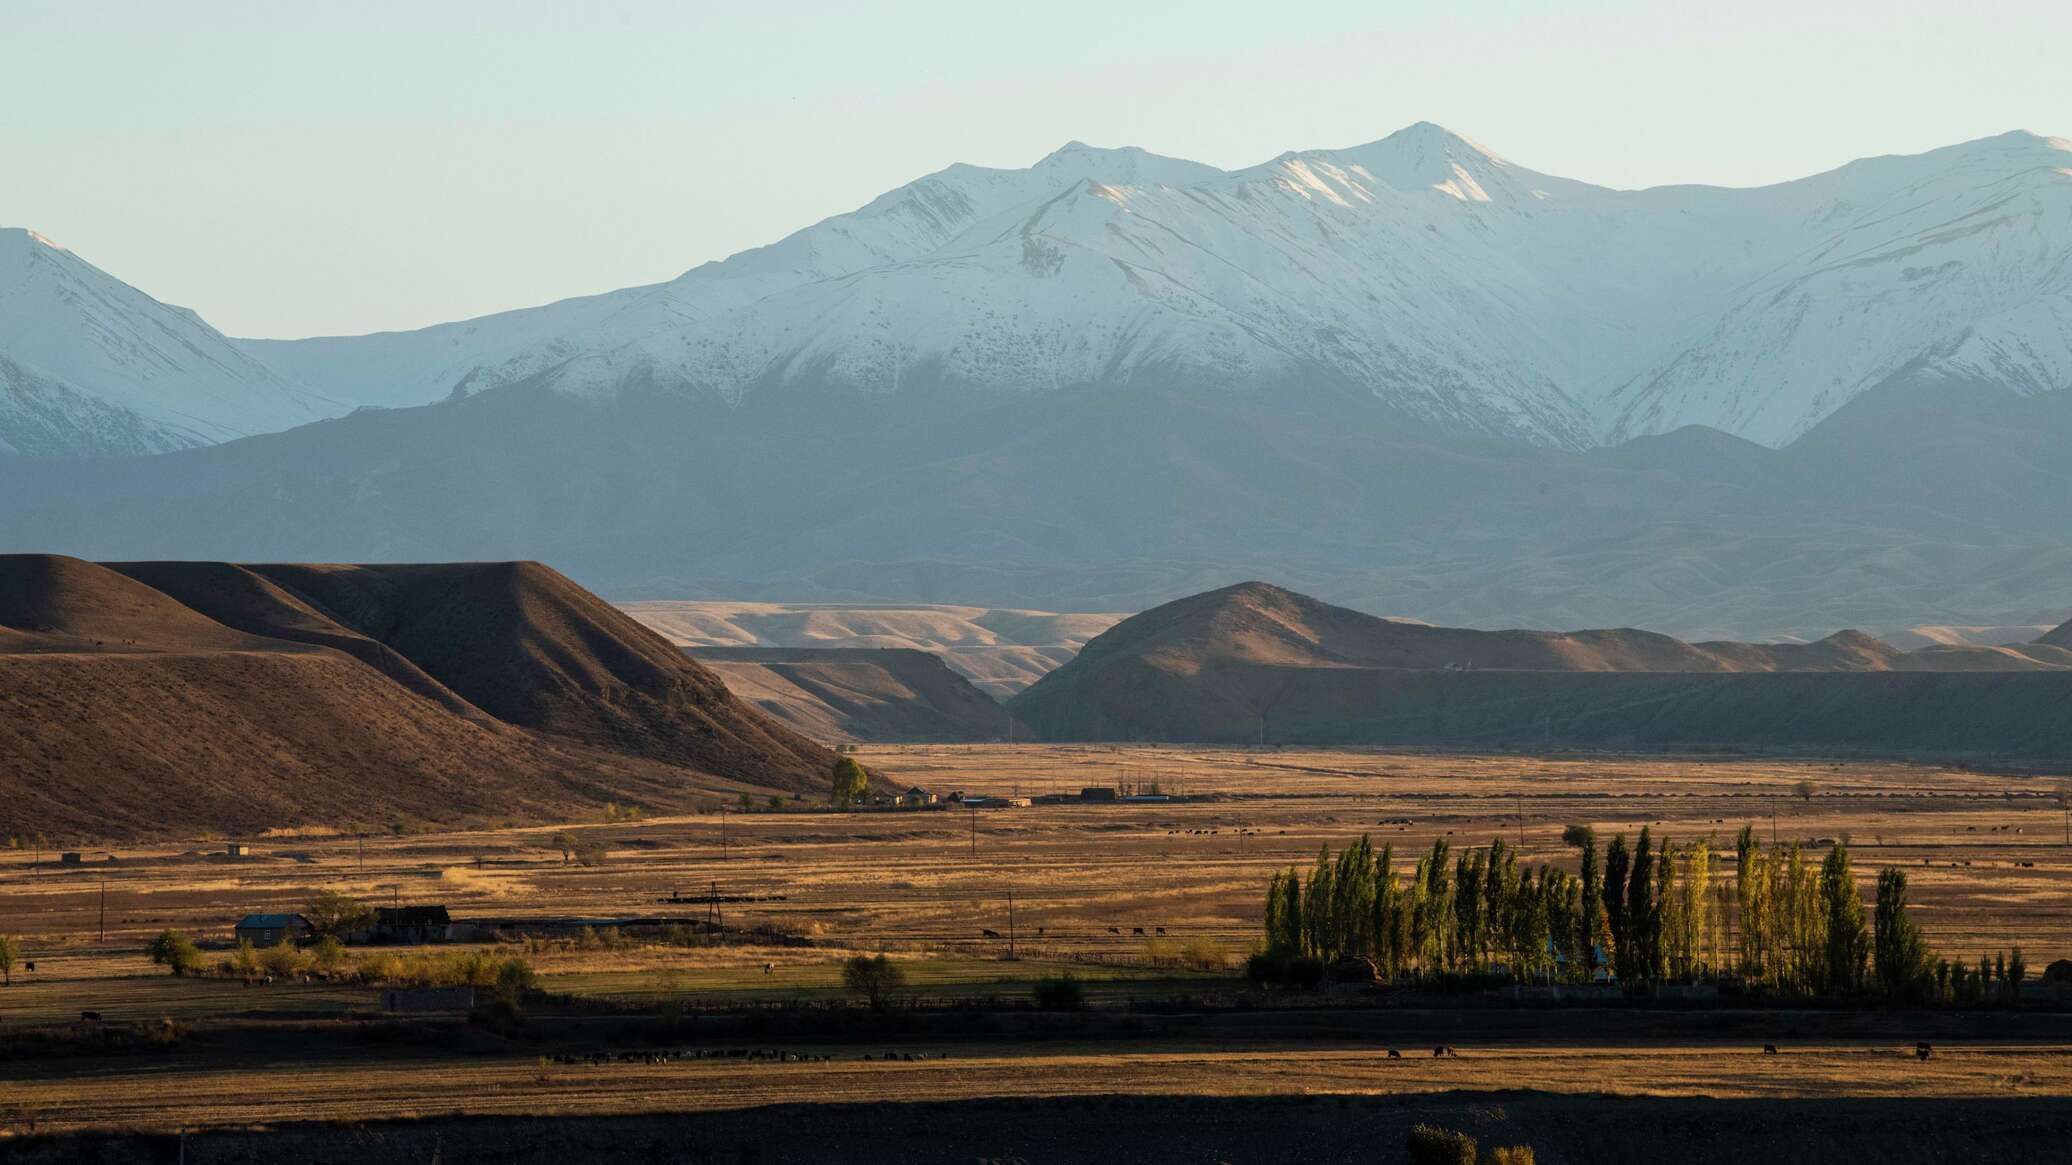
[1039, 932]
[1438, 1051]
[1394, 1054]
[769, 967]
[1112, 930]
[989, 934]
[31, 967]
[1922, 1051]
[1136, 930]
[1769, 1049]
[1160, 929]
[90, 1016]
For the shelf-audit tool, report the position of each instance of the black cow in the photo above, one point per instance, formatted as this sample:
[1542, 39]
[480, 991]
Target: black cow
[1769, 1049]
[1922, 1051]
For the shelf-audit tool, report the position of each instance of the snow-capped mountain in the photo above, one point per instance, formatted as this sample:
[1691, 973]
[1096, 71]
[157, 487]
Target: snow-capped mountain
[1420, 272]
[89, 364]
[1421, 269]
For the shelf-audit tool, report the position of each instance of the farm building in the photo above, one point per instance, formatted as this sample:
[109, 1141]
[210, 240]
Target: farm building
[1097, 793]
[917, 797]
[411, 924]
[237, 849]
[69, 858]
[268, 930]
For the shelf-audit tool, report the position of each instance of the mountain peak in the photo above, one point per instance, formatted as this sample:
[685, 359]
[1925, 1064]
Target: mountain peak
[1427, 156]
[21, 240]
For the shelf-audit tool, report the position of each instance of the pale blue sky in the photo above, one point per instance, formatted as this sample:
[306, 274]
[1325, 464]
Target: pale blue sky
[296, 169]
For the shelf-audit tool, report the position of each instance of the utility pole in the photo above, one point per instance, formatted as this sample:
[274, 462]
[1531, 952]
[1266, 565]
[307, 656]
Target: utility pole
[104, 908]
[1519, 801]
[723, 833]
[362, 839]
[1010, 926]
[974, 833]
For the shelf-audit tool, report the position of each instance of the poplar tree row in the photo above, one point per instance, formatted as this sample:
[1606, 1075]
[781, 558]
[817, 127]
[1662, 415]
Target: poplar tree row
[1645, 913]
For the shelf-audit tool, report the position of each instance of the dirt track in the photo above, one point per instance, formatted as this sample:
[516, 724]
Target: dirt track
[1155, 1129]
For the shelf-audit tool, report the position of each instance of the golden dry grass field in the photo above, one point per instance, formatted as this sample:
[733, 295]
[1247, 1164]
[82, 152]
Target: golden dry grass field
[1986, 854]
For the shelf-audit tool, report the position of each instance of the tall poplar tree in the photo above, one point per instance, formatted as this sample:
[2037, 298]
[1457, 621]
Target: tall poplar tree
[1642, 917]
[1617, 865]
[1848, 940]
[1900, 954]
[1590, 907]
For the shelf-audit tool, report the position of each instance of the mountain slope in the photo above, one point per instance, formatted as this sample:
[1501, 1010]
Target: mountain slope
[1938, 509]
[531, 648]
[859, 693]
[1254, 662]
[104, 368]
[172, 696]
[999, 651]
[1421, 274]
[1437, 283]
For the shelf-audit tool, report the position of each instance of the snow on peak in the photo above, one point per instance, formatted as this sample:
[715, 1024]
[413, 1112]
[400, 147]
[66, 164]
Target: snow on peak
[1449, 283]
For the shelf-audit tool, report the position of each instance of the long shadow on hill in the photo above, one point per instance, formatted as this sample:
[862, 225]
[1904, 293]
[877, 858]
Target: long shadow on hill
[1153, 1129]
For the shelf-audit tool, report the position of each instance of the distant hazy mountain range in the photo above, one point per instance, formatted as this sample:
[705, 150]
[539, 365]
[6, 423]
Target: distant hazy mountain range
[1408, 374]
[1001, 652]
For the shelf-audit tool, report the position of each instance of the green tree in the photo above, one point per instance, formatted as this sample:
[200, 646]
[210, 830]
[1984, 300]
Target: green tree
[2017, 970]
[176, 951]
[850, 783]
[514, 977]
[328, 954]
[1590, 923]
[1430, 1145]
[10, 950]
[245, 959]
[1316, 906]
[335, 914]
[1617, 868]
[1899, 955]
[1642, 917]
[1284, 913]
[1663, 925]
[566, 843]
[1848, 943]
[1389, 930]
[1432, 909]
[875, 977]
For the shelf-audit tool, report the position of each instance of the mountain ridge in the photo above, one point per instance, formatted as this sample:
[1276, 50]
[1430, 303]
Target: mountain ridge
[148, 697]
[1421, 273]
[1257, 663]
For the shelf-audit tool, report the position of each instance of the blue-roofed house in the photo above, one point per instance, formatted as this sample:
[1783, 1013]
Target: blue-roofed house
[271, 930]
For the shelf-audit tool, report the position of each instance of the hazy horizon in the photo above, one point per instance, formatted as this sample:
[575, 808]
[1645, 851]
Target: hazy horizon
[289, 173]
